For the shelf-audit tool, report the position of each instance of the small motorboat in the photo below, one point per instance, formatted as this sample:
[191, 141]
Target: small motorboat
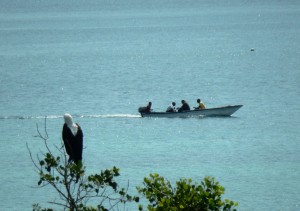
[218, 111]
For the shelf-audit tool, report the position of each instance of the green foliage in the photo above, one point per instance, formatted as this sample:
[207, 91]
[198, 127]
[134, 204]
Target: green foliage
[185, 195]
[70, 182]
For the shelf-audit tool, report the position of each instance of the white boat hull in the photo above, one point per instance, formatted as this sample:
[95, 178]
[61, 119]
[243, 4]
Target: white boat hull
[219, 111]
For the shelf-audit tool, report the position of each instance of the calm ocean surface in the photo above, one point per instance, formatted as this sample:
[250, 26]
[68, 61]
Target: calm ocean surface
[101, 60]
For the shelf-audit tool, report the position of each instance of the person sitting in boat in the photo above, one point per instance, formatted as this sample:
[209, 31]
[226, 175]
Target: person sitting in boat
[172, 107]
[185, 106]
[146, 109]
[200, 105]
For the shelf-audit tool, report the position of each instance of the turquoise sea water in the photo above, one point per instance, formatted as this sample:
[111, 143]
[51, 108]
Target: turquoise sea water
[101, 60]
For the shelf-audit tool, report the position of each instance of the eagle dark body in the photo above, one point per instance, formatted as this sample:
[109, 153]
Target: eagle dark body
[73, 143]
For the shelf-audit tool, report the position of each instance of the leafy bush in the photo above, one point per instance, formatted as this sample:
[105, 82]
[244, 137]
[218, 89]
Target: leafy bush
[185, 195]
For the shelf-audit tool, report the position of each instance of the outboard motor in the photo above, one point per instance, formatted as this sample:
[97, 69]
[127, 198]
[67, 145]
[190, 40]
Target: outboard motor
[145, 109]
[142, 109]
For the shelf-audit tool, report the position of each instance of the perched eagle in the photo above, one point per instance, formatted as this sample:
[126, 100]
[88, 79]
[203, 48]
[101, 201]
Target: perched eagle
[73, 139]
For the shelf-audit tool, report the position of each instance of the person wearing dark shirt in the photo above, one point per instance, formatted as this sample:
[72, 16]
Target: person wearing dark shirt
[185, 106]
